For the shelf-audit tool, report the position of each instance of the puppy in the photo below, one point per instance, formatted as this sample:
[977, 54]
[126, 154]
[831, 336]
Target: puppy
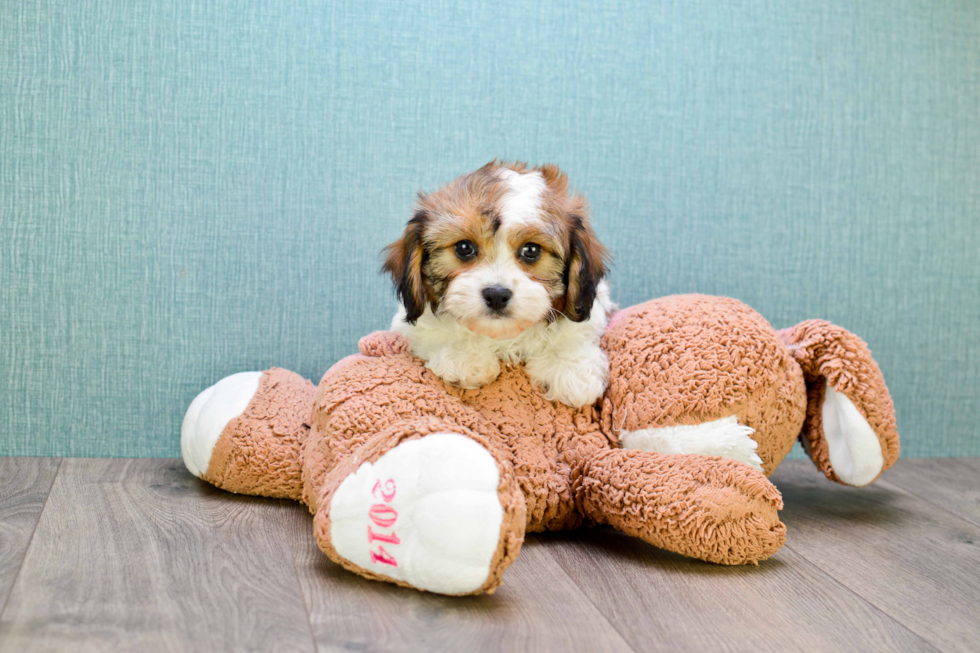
[501, 265]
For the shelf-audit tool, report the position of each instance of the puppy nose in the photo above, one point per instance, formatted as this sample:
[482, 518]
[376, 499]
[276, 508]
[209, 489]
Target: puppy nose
[497, 297]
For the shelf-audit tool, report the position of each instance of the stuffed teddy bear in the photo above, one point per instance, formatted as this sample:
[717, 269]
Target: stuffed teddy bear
[426, 485]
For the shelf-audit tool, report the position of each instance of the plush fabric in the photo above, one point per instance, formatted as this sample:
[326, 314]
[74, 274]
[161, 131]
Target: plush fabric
[709, 357]
[678, 360]
[512, 526]
[272, 429]
[713, 509]
[829, 354]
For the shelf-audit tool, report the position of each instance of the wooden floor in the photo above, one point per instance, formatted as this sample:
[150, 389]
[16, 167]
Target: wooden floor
[113, 555]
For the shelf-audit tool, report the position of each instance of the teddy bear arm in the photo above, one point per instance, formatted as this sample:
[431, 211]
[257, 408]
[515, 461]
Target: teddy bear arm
[704, 507]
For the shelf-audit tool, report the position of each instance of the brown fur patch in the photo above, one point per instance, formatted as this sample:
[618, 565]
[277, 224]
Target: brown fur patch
[404, 260]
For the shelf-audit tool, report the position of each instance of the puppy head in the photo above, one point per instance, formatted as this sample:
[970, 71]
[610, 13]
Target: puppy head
[499, 249]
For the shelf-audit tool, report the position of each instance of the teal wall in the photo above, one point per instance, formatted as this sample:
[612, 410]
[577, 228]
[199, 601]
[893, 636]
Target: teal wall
[190, 189]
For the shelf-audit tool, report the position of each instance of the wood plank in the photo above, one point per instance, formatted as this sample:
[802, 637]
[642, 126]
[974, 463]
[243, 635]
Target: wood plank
[917, 564]
[952, 484]
[139, 555]
[538, 608]
[24, 487]
[657, 599]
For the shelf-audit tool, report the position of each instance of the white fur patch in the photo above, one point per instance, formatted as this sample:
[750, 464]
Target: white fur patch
[723, 437]
[562, 356]
[522, 202]
[209, 414]
[854, 449]
[427, 513]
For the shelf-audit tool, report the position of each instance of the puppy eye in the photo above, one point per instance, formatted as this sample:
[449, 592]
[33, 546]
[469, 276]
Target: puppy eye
[531, 252]
[465, 250]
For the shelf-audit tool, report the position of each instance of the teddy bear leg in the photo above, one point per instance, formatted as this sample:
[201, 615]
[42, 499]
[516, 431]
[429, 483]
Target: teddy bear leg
[849, 431]
[693, 374]
[705, 507]
[244, 433]
[429, 508]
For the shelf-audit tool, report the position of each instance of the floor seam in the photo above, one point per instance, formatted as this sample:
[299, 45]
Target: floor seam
[30, 541]
[873, 605]
[591, 602]
[299, 586]
[969, 520]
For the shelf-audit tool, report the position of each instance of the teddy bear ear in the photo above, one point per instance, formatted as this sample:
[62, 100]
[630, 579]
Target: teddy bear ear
[383, 343]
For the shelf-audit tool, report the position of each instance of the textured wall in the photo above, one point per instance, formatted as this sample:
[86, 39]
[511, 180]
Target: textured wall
[191, 189]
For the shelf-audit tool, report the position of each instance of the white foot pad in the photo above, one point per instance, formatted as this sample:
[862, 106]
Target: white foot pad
[852, 446]
[209, 414]
[426, 513]
[723, 437]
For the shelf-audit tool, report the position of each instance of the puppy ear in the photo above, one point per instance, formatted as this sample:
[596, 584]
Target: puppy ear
[403, 261]
[586, 266]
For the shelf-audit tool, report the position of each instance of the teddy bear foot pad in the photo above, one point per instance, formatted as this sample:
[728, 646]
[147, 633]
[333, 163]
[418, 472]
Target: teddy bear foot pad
[209, 414]
[426, 513]
[854, 449]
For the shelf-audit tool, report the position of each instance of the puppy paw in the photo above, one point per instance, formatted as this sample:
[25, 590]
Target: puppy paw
[571, 382]
[469, 369]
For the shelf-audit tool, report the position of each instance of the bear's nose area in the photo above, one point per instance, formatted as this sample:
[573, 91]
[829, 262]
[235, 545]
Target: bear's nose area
[497, 297]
